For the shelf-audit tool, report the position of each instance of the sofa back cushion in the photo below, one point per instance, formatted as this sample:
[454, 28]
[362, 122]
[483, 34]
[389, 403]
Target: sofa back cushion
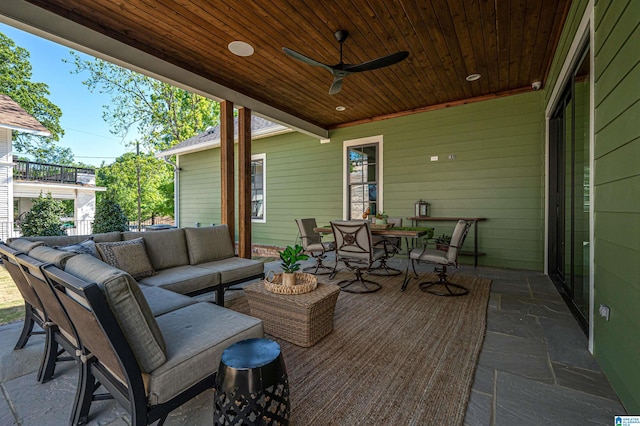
[49, 255]
[129, 256]
[129, 307]
[166, 248]
[58, 240]
[209, 244]
[107, 237]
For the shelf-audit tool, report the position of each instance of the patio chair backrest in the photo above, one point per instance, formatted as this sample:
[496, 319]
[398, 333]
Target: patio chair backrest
[307, 234]
[26, 291]
[353, 239]
[52, 307]
[96, 326]
[457, 240]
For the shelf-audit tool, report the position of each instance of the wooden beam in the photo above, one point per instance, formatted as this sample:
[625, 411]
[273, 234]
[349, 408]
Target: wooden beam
[227, 167]
[244, 183]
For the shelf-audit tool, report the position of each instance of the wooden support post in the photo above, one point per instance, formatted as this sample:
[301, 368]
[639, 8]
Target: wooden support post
[227, 192]
[244, 183]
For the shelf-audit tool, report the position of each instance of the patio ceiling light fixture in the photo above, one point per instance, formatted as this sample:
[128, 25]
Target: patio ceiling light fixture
[241, 48]
[340, 108]
[473, 77]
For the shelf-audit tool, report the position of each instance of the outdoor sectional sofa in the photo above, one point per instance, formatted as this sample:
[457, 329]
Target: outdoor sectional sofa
[151, 347]
[189, 261]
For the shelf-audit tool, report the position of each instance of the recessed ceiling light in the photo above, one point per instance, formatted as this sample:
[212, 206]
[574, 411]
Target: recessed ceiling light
[473, 77]
[340, 108]
[241, 48]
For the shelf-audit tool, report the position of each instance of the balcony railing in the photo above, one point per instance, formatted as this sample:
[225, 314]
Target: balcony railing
[43, 172]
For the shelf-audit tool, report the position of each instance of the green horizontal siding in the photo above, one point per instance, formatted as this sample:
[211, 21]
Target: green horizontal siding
[497, 173]
[617, 195]
[200, 188]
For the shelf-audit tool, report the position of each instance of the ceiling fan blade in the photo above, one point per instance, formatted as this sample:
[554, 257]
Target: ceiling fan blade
[305, 59]
[383, 61]
[336, 85]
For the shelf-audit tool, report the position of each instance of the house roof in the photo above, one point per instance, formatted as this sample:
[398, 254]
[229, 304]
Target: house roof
[13, 117]
[509, 43]
[210, 138]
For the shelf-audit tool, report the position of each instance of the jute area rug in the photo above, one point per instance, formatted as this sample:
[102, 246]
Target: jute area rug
[393, 358]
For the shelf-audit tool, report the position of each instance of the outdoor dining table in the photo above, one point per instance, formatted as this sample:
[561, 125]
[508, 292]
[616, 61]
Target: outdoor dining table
[406, 234]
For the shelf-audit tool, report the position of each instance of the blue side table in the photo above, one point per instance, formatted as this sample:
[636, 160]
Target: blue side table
[252, 386]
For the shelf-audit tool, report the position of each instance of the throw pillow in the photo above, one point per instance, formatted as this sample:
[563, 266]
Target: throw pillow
[129, 256]
[87, 246]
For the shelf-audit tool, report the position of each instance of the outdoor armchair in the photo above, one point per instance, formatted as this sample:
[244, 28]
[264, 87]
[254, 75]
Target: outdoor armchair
[391, 246]
[442, 259]
[314, 246]
[354, 248]
[150, 365]
[33, 310]
[59, 333]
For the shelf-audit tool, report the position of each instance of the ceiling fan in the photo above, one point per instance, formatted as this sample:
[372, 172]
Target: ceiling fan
[341, 70]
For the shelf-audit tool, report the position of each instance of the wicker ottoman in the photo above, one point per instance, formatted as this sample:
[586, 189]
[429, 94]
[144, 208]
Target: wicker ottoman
[302, 319]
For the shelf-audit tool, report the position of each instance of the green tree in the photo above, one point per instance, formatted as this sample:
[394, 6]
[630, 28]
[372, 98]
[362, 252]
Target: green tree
[43, 218]
[15, 81]
[109, 216]
[162, 115]
[155, 177]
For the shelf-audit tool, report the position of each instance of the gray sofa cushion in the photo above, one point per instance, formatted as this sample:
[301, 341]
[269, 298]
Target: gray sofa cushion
[130, 256]
[196, 337]
[23, 245]
[183, 279]
[166, 249]
[129, 307]
[162, 301]
[234, 268]
[209, 244]
[107, 237]
[49, 255]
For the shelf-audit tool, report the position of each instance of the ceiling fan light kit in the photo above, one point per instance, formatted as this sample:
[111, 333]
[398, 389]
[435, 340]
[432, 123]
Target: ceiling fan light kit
[341, 70]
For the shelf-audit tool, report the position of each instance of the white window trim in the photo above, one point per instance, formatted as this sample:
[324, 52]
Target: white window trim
[345, 175]
[262, 157]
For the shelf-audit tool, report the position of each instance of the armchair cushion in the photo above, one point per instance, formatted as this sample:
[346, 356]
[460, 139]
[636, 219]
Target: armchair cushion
[130, 256]
[195, 345]
[129, 307]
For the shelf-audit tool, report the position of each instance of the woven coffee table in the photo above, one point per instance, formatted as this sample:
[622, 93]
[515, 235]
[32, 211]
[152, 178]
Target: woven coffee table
[302, 319]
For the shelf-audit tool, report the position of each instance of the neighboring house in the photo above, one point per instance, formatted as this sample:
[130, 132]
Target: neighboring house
[21, 181]
[210, 140]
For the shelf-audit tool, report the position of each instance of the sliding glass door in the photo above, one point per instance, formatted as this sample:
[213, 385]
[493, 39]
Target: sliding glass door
[569, 192]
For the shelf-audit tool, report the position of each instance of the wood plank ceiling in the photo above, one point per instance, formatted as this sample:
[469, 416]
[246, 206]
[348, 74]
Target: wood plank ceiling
[510, 43]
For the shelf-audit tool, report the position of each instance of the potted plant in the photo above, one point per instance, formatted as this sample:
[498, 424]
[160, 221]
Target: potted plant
[442, 242]
[381, 218]
[290, 257]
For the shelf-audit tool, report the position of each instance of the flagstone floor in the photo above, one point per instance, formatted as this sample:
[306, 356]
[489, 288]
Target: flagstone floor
[534, 368]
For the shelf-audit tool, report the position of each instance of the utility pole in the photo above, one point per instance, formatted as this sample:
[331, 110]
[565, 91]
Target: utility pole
[139, 188]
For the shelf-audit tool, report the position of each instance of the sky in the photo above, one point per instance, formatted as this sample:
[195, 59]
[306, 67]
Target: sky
[86, 133]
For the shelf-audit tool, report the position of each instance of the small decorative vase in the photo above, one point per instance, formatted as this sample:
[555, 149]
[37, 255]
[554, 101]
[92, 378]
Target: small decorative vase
[288, 279]
[381, 221]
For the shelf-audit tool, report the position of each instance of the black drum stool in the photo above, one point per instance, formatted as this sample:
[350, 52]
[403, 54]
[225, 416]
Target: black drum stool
[252, 385]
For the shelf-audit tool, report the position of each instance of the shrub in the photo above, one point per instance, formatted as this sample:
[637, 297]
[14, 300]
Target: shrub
[109, 216]
[44, 217]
